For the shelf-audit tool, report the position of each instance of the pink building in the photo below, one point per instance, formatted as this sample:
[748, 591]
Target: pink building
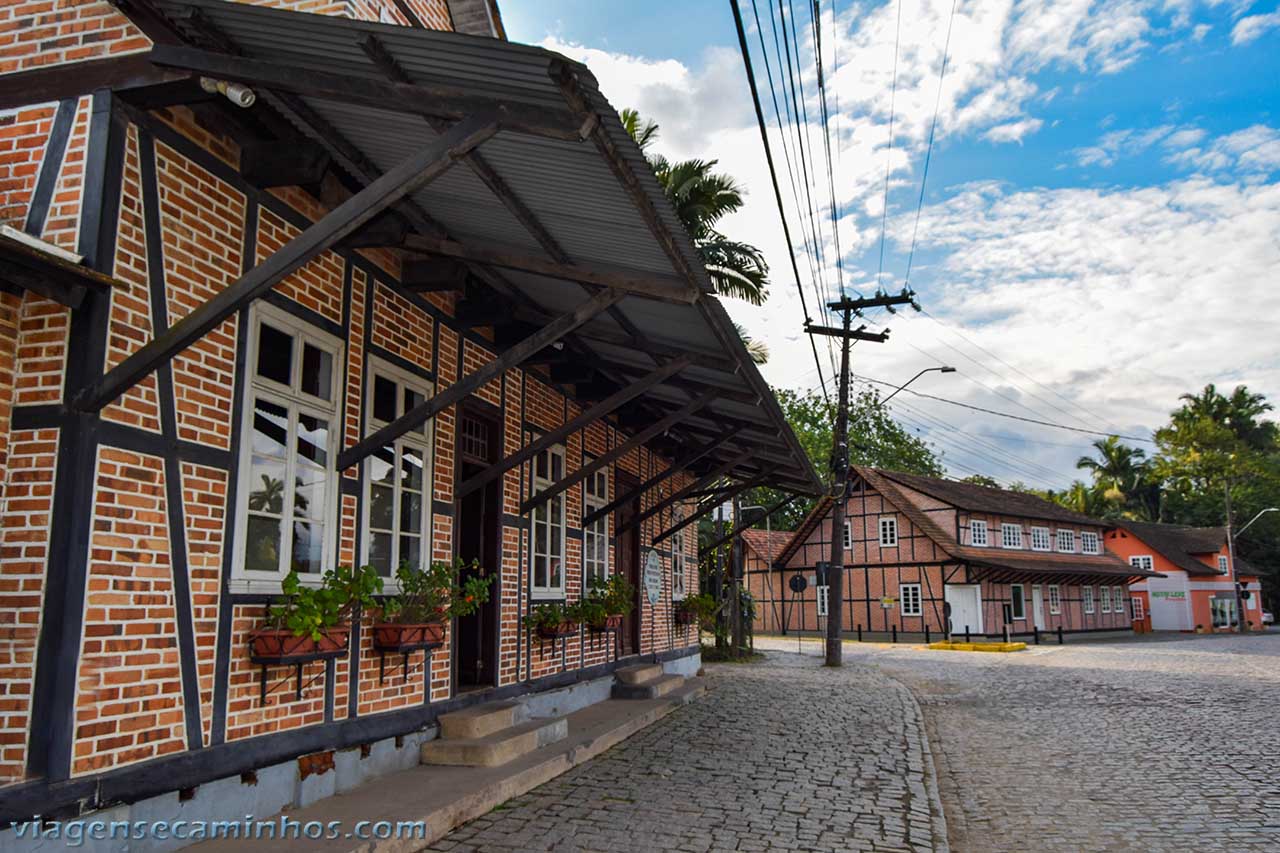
[929, 555]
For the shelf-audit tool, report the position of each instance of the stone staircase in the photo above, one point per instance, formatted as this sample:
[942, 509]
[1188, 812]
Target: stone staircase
[645, 681]
[489, 736]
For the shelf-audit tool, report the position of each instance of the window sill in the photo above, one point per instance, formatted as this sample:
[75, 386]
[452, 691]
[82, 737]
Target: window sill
[548, 597]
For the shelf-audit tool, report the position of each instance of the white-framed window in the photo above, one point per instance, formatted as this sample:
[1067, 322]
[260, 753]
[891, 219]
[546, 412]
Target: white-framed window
[1222, 563]
[1089, 542]
[678, 557]
[1117, 599]
[1086, 599]
[1139, 609]
[287, 483]
[909, 596]
[1011, 535]
[1143, 562]
[1251, 603]
[397, 489]
[824, 600]
[1104, 594]
[888, 532]
[1040, 539]
[1018, 601]
[1066, 541]
[547, 525]
[978, 532]
[1055, 599]
[595, 536]
[848, 537]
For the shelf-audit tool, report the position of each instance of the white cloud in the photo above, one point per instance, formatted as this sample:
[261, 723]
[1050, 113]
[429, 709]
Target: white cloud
[1014, 131]
[1254, 150]
[1254, 26]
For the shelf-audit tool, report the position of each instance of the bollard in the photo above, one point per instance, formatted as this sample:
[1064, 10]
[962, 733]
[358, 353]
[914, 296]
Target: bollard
[859, 632]
[1059, 635]
[894, 628]
[966, 633]
[926, 635]
[1037, 635]
[1006, 632]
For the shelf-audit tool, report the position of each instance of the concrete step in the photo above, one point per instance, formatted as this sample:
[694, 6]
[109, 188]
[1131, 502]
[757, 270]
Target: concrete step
[654, 689]
[493, 750]
[640, 673]
[478, 721]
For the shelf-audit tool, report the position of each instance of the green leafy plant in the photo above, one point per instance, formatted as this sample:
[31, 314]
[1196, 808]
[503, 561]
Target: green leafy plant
[588, 610]
[702, 608]
[436, 593]
[311, 610]
[546, 616]
[617, 594]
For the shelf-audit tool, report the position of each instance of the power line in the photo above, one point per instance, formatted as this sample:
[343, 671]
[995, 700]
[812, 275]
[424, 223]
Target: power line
[888, 158]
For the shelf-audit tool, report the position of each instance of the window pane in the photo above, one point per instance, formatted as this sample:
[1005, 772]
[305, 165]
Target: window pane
[556, 574]
[384, 399]
[313, 439]
[381, 507]
[270, 428]
[411, 550]
[266, 485]
[412, 399]
[262, 545]
[382, 465]
[540, 466]
[275, 354]
[308, 547]
[411, 469]
[309, 492]
[557, 467]
[380, 553]
[539, 537]
[540, 571]
[410, 512]
[317, 372]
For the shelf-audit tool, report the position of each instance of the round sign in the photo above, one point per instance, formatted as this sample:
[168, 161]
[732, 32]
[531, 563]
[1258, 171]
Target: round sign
[653, 577]
[798, 583]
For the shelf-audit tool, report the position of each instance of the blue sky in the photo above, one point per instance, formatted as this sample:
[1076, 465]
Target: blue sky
[1101, 224]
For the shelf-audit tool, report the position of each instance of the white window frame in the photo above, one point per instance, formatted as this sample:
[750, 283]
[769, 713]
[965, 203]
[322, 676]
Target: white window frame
[1086, 598]
[1005, 529]
[538, 484]
[976, 525]
[1041, 539]
[679, 560]
[592, 500]
[1143, 561]
[910, 594]
[848, 536]
[421, 440]
[824, 600]
[1070, 537]
[1087, 537]
[1117, 600]
[1055, 599]
[1104, 594]
[1223, 565]
[1018, 604]
[297, 402]
[888, 524]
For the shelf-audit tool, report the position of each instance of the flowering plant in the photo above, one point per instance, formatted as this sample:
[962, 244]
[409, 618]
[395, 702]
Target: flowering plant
[436, 593]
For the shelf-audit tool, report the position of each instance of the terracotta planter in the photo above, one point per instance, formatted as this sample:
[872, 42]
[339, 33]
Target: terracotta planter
[555, 632]
[609, 623]
[283, 643]
[685, 617]
[396, 635]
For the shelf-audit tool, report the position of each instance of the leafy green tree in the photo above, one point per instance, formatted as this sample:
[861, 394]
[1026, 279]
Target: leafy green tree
[1122, 478]
[981, 480]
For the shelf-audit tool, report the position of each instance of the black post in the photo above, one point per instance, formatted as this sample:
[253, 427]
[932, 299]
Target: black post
[1036, 633]
[966, 633]
[1059, 635]
[894, 630]
[859, 632]
[1006, 632]
[926, 635]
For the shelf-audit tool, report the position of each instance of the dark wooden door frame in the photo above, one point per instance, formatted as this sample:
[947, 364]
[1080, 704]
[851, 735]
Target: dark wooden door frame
[625, 482]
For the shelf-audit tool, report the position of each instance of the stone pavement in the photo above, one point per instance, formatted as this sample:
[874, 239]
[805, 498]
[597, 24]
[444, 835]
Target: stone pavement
[1152, 744]
[780, 755]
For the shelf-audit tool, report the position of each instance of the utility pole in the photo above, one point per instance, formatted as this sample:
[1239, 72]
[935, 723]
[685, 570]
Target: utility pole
[840, 452]
[1231, 567]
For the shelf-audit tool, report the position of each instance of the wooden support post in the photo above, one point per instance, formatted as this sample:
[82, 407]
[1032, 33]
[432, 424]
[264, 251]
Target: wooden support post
[601, 409]
[405, 178]
[617, 453]
[417, 416]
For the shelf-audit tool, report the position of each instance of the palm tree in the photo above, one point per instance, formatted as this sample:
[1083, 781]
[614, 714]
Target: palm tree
[758, 350]
[1241, 413]
[1119, 467]
[701, 198]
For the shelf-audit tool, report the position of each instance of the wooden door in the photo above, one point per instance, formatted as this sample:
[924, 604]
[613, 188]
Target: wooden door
[627, 555]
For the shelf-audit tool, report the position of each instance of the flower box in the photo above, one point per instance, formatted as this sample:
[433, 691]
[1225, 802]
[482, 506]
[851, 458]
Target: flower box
[396, 636]
[685, 617]
[610, 623]
[281, 644]
[555, 632]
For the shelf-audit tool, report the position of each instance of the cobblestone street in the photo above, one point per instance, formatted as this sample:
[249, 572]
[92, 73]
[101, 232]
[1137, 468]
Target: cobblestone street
[782, 755]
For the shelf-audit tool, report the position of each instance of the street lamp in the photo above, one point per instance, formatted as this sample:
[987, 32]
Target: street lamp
[1256, 517]
[914, 378]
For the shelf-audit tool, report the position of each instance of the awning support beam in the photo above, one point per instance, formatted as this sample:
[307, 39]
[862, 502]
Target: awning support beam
[684, 493]
[599, 410]
[413, 173]
[455, 393]
[617, 453]
[675, 528]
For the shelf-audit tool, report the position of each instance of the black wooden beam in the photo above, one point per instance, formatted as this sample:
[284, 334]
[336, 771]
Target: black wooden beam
[646, 284]
[617, 453]
[676, 467]
[513, 357]
[293, 163]
[599, 410]
[423, 275]
[682, 494]
[52, 277]
[408, 176]
[385, 231]
[680, 525]
[440, 101]
[75, 79]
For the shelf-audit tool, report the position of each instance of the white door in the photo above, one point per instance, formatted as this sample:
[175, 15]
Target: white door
[965, 601]
[1037, 606]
